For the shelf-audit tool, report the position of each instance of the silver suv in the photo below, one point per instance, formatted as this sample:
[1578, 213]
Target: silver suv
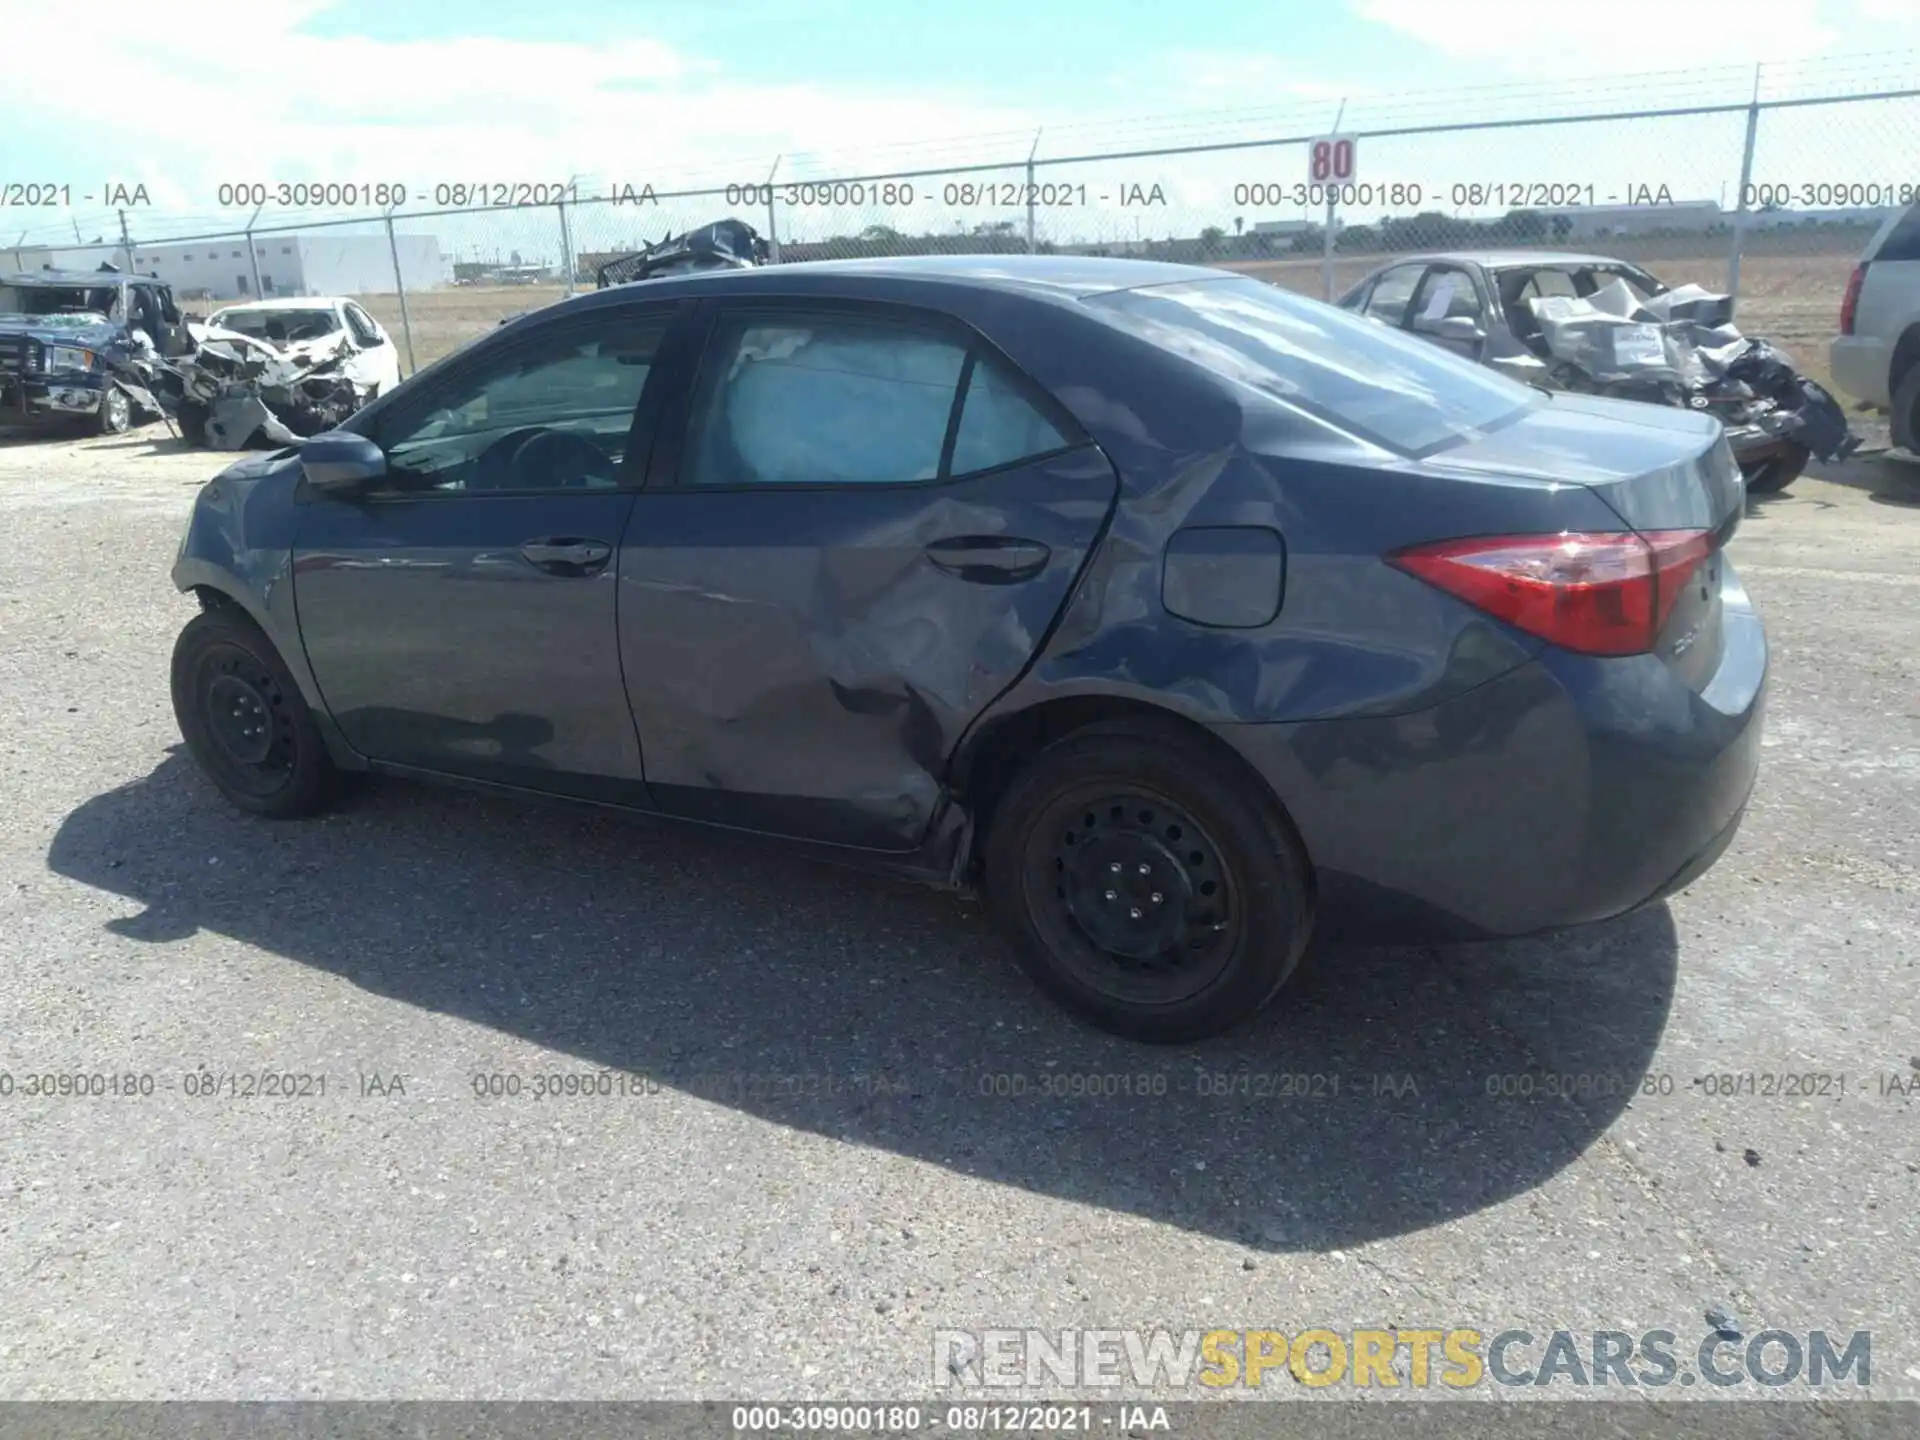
[1876, 357]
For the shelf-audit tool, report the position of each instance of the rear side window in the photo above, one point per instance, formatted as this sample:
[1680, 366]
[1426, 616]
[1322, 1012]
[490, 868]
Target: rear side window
[852, 400]
[1903, 241]
[1379, 384]
[998, 425]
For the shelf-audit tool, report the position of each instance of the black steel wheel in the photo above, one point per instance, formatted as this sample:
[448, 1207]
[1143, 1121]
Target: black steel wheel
[1149, 886]
[245, 721]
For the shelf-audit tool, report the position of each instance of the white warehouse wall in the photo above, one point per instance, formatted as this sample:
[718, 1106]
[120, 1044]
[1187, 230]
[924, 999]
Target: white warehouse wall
[293, 265]
[363, 264]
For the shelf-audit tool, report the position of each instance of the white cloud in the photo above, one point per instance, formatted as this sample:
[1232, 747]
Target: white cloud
[244, 94]
[1545, 39]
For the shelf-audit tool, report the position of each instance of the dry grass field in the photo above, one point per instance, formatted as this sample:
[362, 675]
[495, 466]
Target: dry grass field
[1793, 300]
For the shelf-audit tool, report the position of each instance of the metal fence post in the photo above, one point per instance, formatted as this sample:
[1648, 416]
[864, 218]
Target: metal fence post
[1746, 185]
[773, 223]
[253, 251]
[566, 245]
[400, 286]
[1326, 239]
[1031, 188]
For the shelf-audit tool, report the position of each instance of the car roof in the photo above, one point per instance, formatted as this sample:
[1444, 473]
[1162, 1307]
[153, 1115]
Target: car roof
[290, 302]
[1059, 277]
[67, 278]
[1513, 259]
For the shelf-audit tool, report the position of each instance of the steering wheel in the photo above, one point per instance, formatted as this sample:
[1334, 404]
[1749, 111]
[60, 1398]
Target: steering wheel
[536, 458]
[564, 458]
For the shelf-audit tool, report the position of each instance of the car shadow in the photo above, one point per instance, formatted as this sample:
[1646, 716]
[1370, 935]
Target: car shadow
[1389, 1090]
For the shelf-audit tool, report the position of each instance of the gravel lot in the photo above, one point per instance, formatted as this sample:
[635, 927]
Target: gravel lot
[806, 1239]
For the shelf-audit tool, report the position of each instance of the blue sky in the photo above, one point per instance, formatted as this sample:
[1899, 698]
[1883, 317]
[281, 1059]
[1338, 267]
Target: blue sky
[437, 90]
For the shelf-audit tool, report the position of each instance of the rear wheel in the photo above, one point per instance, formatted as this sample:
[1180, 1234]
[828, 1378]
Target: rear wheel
[1906, 411]
[1778, 471]
[245, 721]
[1148, 887]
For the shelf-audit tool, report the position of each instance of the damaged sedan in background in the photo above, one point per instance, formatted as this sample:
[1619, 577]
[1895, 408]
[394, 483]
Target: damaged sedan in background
[277, 371]
[1601, 326]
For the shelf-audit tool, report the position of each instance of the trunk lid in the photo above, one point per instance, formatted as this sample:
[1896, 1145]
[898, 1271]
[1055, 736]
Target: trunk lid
[1665, 472]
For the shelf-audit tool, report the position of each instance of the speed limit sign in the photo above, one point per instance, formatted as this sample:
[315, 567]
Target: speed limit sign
[1331, 160]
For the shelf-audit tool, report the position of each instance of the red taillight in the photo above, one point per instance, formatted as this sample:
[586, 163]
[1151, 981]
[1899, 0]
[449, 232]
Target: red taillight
[1850, 302]
[1597, 593]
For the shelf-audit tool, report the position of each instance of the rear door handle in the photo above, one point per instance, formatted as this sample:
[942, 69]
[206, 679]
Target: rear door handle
[989, 559]
[567, 556]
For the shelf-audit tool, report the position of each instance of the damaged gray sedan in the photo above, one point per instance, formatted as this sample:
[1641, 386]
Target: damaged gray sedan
[1601, 326]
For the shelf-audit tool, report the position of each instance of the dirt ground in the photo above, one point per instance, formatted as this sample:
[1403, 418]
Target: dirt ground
[337, 1239]
[1793, 300]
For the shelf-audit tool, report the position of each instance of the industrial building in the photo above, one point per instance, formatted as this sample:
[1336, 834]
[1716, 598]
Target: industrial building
[282, 265]
[294, 265]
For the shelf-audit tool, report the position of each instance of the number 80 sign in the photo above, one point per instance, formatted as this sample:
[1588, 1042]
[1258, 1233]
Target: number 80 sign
[1330, 160]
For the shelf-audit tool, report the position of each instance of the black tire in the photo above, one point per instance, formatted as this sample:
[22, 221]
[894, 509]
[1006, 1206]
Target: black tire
[1218, 853]
[245, 721]
[115, 414]
[191, 418]
[1778, 471]
[1906, 411]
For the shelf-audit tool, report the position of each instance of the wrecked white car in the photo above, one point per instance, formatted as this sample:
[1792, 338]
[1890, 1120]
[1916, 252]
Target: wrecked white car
[276, 371]
[1602, 326]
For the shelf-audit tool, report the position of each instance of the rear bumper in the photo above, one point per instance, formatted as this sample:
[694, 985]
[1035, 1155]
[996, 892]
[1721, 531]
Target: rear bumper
[1566, 791]
[1862, 365]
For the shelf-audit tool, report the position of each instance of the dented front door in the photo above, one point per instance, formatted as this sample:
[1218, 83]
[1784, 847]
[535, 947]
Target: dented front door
[803, 652]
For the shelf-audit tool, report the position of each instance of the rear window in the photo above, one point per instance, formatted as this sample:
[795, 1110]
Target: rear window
[1379, 384]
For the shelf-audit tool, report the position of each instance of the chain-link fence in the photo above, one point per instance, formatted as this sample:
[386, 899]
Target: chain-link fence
[1770, 194]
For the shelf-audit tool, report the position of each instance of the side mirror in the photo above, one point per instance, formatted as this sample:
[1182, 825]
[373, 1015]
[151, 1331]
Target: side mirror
[1463, 329]
[342, 465]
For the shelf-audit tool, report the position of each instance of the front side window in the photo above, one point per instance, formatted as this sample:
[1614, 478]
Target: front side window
[550, 412]
[1446, 295]
[1378, 384]
[1391, 292]
[853, 400]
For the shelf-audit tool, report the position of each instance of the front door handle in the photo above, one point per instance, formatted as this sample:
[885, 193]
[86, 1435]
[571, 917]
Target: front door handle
[567, 556]
[989, 559]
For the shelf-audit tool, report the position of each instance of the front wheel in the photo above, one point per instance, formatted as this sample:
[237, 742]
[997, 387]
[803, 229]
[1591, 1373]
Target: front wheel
[1149, 886]
[116, 411]
[245, 721]
[191, 417]
[1778, 470]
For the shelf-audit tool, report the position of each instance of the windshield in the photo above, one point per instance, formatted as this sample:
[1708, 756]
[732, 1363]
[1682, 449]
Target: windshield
[1376, 383]
[279, 325]
[56, 300]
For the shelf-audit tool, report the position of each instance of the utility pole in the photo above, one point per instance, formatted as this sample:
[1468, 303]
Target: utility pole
[126, 241]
